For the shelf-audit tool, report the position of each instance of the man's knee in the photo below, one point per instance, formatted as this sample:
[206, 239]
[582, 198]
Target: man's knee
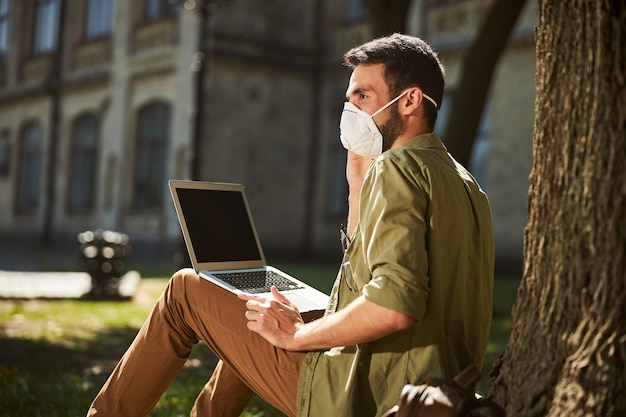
[184, 278]
[184, 281]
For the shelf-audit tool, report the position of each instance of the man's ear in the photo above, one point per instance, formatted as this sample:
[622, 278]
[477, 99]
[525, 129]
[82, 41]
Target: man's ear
[414, 98]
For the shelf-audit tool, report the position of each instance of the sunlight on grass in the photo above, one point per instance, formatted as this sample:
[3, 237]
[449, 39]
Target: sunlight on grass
[55, 355]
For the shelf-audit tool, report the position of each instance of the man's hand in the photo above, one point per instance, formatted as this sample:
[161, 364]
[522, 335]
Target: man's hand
[356, 168]
[280, 323]
[274, 318]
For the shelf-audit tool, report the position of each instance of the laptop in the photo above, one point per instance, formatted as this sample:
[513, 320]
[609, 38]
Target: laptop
[224, 246]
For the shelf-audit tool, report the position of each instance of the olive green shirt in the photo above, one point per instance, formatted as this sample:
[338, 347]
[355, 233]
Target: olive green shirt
[423, 246]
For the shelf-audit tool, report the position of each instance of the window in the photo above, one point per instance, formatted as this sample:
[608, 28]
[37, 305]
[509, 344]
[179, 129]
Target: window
[46, 26]
[99, 18]
[354, 10]
[30, 169]
[5, 157]
[83, 164]
[479, 158]
[159, 8]
[5, 6]
[153, 137]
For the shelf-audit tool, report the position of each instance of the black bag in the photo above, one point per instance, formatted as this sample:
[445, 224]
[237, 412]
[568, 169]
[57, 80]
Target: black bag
[438, 398]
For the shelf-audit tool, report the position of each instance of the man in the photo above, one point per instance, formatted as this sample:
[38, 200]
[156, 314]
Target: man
[413, 296]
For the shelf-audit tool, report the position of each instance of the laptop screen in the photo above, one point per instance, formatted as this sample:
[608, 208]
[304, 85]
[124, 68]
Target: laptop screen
[218, 224]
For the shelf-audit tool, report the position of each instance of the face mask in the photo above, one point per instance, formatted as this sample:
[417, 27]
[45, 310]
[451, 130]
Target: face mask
[359, 132]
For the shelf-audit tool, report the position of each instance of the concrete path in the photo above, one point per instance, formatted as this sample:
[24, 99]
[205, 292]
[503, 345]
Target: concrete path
[55, 285]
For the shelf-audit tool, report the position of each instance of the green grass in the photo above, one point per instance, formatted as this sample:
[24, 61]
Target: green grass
[55, 355]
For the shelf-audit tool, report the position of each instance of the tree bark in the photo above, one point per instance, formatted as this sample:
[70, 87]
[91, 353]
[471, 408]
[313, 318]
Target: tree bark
[566, 354]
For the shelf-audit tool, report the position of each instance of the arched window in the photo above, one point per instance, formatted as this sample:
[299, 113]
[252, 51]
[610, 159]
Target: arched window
[30, 169]
[153, 127]
[83, 159]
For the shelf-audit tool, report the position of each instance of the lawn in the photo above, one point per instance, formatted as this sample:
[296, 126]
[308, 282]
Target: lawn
[55, 355]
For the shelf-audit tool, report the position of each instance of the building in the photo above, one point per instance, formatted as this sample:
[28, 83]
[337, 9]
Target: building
[102, 101]
[94, 102]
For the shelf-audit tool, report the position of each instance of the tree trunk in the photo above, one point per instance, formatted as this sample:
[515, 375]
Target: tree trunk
[566, 354]
[478, 67]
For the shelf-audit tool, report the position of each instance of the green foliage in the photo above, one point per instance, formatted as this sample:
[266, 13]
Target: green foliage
[55, 355]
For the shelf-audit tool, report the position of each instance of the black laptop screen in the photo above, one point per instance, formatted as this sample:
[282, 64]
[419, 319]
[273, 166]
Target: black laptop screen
[218, 225]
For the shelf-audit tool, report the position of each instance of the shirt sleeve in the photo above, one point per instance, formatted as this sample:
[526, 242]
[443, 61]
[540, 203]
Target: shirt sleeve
[394, 225]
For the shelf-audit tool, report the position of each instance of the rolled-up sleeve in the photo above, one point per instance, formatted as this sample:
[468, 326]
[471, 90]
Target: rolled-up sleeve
[393, 221]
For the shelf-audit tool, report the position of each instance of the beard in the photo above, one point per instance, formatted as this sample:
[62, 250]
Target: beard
[392, 128]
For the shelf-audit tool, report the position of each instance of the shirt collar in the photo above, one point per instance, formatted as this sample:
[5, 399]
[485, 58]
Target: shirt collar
[427, 140]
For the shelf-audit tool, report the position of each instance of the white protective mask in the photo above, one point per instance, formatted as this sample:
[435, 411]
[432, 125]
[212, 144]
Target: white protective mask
[359, 132]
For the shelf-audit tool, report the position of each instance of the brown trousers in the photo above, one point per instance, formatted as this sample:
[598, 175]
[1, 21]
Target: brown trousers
[192, 309]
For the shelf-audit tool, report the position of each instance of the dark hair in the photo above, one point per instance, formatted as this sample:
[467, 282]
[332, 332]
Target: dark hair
[408, 62]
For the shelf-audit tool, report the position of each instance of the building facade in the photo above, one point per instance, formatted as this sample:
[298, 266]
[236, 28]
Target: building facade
[103, 101]
[94, 100]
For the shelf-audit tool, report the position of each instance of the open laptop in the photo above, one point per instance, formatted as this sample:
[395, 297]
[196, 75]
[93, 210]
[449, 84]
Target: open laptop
[224, 247]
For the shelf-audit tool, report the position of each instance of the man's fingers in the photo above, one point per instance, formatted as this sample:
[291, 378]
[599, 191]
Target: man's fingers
[280, 297]
[247, 296]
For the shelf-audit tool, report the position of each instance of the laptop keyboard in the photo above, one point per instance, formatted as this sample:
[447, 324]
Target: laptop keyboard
[255, 282]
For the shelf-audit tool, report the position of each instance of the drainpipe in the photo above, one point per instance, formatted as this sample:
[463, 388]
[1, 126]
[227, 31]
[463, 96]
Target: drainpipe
[199, 67]
[53, 87]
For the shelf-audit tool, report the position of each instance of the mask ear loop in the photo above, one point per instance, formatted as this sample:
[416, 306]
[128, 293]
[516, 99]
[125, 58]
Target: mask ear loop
[429, 98]
[426, 96]
[390, 103]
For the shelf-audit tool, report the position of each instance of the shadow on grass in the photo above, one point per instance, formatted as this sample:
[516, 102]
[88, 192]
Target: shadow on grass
[40, 378]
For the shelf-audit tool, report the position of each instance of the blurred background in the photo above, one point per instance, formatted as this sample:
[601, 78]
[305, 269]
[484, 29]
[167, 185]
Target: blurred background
[103, 101]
